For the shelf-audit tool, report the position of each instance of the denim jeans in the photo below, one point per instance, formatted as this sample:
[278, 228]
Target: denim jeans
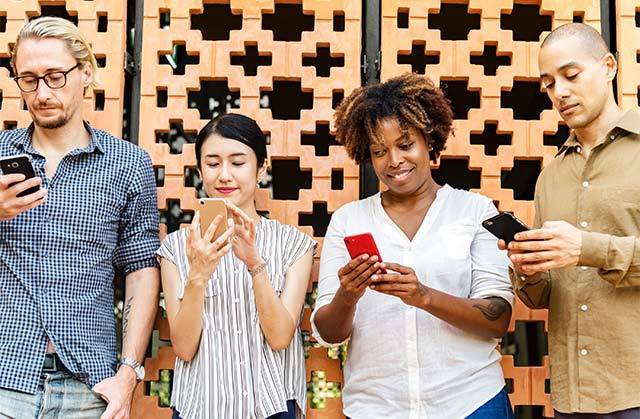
[498, 407]
[59, 395]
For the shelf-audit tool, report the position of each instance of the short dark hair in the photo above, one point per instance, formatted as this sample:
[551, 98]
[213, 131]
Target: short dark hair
[235, 127]
[589, 37]
[411, 98]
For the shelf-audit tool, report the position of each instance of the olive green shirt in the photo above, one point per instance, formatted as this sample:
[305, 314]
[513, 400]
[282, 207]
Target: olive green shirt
[594, 308]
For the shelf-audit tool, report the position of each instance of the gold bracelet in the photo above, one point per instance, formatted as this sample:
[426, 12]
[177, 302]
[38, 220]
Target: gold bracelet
[258, 269]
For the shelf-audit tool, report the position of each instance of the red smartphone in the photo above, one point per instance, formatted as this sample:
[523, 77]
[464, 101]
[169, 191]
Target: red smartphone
[360, 244]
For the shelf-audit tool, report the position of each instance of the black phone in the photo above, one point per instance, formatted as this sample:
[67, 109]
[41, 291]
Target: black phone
[19, 164]
[504, 226]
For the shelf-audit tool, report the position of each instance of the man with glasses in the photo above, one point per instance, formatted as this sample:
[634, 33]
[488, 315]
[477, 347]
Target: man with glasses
[93, 216]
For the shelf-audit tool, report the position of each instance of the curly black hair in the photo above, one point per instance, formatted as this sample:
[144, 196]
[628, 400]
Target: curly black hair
[411, 98]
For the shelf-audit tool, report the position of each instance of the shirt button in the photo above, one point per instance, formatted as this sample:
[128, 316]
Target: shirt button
[612, 136]
[578, 149]
[239, 332]
[584, 268]
[237, 300]
[584, 224]
[584, 307]
[583, 352]
[245, 393]
[585, 184]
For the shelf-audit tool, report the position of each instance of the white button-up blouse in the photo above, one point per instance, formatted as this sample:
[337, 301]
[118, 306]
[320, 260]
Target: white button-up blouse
[403, 362]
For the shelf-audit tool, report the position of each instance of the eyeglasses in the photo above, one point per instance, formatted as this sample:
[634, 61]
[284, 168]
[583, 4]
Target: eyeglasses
[54, 79]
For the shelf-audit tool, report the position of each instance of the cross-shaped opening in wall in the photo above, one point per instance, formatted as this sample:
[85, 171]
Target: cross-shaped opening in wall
[491, 59]
[321, 139]
[491, 138]
[419, 57]
[288, 178]
[179, 58]
[318, 219]
[323, 61]
[251, 59]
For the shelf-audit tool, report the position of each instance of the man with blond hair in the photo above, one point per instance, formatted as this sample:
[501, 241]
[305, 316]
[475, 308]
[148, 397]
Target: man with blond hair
[582, 260]
[93, 216]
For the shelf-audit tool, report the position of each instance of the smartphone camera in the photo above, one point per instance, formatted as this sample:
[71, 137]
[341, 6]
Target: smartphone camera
[15, 165]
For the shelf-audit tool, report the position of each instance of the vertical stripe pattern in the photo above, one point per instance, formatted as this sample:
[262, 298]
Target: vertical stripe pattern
[235, 373]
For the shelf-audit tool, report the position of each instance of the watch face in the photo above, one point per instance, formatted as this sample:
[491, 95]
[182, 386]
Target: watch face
[140, 372]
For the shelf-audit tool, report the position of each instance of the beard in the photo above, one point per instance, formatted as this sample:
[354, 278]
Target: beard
[58, 122]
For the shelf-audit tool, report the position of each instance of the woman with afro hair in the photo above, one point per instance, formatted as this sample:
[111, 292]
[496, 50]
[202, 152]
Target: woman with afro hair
[424, 322]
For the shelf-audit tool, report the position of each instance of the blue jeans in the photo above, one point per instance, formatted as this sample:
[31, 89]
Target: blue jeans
[59, 395]
[289, 414]
[498, 407]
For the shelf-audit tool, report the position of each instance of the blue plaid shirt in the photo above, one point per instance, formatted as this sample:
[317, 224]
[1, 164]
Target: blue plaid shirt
[58, 261]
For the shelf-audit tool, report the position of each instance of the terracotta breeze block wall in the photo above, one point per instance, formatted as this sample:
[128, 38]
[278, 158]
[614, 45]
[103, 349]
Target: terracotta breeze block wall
[628, 37]
[505, 127]
[104, 24]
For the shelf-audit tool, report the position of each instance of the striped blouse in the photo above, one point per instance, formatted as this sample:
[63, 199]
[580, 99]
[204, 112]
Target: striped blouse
[235, 373]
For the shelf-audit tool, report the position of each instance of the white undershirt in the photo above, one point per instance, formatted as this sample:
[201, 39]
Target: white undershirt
[403, 362]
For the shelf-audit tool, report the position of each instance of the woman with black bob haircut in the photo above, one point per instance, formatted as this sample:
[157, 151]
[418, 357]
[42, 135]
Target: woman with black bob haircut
[423, 323]
[234, 303]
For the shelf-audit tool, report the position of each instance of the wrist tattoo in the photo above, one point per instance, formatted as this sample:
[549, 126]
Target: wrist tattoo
[125, 317]
[258, 269]
[496, 308]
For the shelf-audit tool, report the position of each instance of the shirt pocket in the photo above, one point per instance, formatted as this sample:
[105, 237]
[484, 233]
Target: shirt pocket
[455, 242]
[622, 211]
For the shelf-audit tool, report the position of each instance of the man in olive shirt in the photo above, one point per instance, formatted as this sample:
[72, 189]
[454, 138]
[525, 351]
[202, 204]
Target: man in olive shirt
[582, 261]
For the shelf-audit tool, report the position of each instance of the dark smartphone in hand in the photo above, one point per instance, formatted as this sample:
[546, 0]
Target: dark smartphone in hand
[360, 244]
[504, 226]
[19, 164]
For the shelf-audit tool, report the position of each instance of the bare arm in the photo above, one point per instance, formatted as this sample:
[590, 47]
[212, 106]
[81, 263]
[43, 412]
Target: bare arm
[334, 321]
[279, 316]
[185, 316]
[141, 303]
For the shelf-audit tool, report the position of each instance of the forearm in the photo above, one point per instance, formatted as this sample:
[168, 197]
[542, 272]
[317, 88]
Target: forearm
[276, 322]
[334, 321]
[142, 291]
[487, 317]
[186, 326]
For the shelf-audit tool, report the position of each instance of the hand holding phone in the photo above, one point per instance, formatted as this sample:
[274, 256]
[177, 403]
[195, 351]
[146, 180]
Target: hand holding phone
[361, 244]
[19, 186]
[504, 226]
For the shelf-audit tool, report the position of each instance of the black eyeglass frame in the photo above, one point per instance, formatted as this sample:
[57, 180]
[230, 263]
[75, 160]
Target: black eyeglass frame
[44, 78]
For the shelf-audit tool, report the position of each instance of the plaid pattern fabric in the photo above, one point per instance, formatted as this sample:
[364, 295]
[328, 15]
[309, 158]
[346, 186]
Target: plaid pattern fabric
[58, 261]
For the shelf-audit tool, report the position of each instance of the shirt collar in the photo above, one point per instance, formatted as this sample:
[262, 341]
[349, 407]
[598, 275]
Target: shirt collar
[629, 122]
[22, 139]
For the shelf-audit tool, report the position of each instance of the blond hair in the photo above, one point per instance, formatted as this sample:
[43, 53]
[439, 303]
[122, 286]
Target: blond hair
[62, 29]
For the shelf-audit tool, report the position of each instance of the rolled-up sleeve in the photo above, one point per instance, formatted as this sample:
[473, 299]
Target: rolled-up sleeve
[138, 238]
[333, 257]
[617, 258]
[489, 265]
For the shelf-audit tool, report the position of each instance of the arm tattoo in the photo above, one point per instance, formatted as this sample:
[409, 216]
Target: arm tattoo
[496, 308]
[125, 317]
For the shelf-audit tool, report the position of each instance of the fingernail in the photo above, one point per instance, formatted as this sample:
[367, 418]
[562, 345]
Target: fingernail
[374, 277]
[372, 286]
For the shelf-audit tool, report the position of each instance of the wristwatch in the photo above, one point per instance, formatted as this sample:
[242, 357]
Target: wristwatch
[135, 365]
